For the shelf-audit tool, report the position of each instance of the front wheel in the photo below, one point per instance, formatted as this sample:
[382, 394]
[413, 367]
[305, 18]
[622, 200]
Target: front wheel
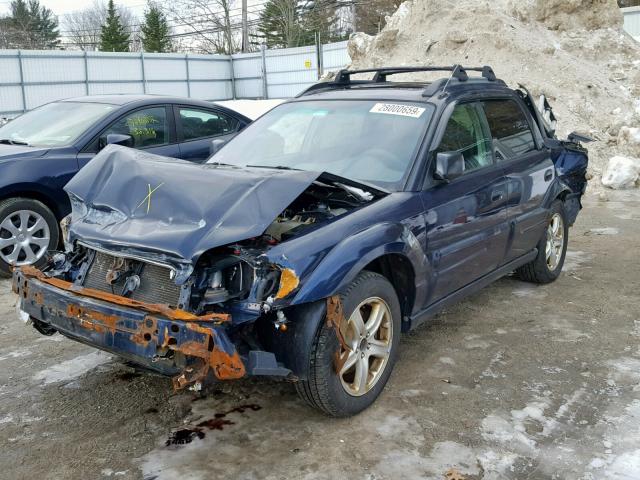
[552, 249]
[346, 375]
[27, 230]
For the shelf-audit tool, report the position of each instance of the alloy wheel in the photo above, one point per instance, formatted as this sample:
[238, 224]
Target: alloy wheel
[24, 237]
[368, 339]
[555, 241]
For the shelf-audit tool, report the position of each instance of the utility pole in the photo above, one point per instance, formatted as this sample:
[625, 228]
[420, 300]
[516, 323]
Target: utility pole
[354, 17]
[245, 28]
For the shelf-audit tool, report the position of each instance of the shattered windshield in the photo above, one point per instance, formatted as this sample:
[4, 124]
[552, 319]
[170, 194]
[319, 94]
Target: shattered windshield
[54, 125]
[362, 140]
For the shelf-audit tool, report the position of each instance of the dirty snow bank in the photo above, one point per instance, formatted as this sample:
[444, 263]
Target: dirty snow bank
[574, 51]
[621, 172]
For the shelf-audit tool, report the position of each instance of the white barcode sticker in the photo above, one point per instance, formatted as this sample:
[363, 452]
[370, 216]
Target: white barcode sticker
[398, 109]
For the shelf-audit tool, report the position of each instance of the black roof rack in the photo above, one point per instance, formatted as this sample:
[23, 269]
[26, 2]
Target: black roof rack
[458, 72]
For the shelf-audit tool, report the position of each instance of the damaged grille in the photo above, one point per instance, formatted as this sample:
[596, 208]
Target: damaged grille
[155, 286]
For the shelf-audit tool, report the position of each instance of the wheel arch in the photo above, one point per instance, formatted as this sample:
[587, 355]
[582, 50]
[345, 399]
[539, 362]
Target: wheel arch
[33, 193]
[399, 271]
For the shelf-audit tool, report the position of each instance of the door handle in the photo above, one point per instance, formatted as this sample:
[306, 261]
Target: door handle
[548, 175]
[497, 195]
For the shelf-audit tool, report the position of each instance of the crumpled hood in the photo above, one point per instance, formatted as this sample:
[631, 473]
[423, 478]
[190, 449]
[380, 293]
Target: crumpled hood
[165, 209]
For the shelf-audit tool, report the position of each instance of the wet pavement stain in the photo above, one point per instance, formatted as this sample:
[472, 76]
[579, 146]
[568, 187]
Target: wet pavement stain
[184, 436]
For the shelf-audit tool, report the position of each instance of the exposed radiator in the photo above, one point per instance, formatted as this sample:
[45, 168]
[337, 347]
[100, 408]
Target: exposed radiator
[156, 285]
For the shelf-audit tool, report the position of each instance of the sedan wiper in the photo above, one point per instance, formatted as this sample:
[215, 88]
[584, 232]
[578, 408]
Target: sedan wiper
[7, 141]
[275, 167]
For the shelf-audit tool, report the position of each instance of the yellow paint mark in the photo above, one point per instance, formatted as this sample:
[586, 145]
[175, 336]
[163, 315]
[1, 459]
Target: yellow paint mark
[148, 197]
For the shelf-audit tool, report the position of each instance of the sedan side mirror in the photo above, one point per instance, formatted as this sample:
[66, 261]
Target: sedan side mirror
[119, 139]
[449, 166]
[216, 145]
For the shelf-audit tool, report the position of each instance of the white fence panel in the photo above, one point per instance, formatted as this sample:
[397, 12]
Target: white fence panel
[10, 100]
[59, 68]
[176, 89]
[632, 21]
[29, 79]
[103, 88]
[9, 67]
[162, 67]
[335, 56]
[37, 95]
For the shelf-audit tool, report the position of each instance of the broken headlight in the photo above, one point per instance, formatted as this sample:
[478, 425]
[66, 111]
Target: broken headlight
[227, 279]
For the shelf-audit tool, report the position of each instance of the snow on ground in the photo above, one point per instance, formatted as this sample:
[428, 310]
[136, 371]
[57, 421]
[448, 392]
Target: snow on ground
[72, 369]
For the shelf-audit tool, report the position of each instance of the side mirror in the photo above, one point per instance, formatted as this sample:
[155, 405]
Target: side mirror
[216, 145]
[116, 139]
[449, 166]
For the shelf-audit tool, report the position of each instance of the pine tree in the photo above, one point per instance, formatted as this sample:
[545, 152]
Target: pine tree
[113, 37]
[155, 31]
[280, 24]
[33, 25]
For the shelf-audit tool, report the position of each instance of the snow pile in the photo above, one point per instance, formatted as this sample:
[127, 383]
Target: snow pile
[574, 51]
[621, 172]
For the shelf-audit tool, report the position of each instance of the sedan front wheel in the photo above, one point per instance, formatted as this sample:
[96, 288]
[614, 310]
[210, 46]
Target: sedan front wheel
[28, 229]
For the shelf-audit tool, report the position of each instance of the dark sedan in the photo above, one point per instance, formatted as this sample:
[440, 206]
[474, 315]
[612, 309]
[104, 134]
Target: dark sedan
[43, 149]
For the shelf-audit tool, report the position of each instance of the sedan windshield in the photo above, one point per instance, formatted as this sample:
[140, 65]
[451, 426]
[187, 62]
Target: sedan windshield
[54, 125]
[369, 141]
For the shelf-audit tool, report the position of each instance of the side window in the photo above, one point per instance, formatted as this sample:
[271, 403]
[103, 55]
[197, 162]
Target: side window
[203, 123]
[147, 127]
[509, 128]
[465, 133]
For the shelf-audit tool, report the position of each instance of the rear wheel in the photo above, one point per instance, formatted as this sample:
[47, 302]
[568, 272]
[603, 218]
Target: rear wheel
[552, 249]
[27, 230]
[345, 378]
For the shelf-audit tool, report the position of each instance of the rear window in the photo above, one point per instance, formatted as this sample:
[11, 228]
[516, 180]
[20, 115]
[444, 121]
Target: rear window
[509, 128]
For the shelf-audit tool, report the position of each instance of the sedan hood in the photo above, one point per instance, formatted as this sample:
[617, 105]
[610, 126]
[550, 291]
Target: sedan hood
[170, 210]
[10, 152]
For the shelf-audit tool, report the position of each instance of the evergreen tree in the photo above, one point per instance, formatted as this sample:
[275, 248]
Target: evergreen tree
[33, 25]
[114, 36]
[280, 24]
[155, 31]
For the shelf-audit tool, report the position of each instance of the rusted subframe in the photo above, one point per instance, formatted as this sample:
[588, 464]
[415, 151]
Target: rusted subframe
[153, 308]
[212, 352]
[225, 366]
[336, 320]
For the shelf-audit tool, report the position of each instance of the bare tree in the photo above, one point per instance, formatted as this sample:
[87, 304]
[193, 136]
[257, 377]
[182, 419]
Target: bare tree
[212, 22]
[82, 28]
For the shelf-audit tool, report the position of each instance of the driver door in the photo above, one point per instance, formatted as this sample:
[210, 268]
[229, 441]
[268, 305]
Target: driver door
[467, 228]
[151, 130]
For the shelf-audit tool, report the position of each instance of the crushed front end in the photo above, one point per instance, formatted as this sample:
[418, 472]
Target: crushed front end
[191, 348]
[163, 287]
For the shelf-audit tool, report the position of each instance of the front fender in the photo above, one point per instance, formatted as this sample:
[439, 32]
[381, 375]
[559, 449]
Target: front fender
[349, 257]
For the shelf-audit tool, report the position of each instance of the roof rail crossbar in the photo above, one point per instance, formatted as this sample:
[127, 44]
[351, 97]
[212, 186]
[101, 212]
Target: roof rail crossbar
[343, 77]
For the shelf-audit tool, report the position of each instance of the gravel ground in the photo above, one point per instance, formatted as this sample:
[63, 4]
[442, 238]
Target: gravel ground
[519, 381]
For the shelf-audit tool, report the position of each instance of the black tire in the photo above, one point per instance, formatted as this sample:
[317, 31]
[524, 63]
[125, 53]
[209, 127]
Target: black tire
[323, 390]
[538, 270]
[12, 205]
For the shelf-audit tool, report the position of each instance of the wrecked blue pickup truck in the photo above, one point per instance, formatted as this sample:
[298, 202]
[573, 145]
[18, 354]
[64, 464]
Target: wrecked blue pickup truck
[307, 244]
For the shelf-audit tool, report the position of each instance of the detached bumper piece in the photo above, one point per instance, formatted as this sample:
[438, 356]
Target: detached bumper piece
[190, 348]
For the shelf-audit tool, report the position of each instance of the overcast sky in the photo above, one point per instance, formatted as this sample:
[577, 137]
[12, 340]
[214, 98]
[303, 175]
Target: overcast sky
[60, 7]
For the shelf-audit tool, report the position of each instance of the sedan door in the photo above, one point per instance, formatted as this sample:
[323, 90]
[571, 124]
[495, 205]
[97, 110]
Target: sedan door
[466, 219]
[528, 168]
[197, 127]
[151, 129]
